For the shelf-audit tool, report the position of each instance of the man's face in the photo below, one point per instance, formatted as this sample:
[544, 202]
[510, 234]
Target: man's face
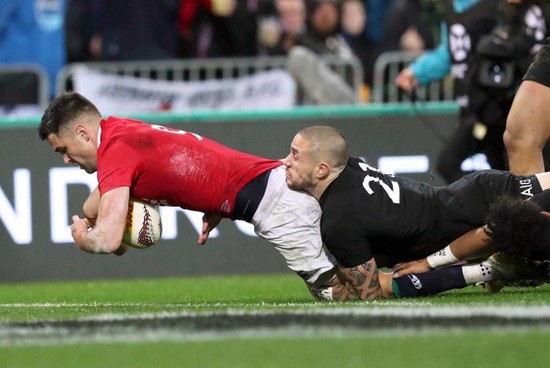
[75, 146]
[300, 165]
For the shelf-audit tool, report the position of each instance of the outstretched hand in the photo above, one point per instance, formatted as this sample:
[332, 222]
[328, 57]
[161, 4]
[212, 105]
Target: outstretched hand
[209, 223]
[406, 80]
[405, 268]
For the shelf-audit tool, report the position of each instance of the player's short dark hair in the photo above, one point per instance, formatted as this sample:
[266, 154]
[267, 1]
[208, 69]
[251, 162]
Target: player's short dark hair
[518, 227]
[62, 111]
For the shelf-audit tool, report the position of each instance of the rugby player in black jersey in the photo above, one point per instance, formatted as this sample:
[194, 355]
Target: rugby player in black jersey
[371, 219]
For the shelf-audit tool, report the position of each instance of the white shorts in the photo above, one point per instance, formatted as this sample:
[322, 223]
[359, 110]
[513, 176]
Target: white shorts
[289, 220]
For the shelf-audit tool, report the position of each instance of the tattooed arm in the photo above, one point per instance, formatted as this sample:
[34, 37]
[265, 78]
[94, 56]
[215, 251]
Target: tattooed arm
[358, 283]
[362, 282]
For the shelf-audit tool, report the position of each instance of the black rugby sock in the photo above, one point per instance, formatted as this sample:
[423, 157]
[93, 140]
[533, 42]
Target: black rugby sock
[429, 283]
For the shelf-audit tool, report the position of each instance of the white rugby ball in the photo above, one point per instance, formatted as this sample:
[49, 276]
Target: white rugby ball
[143, 224]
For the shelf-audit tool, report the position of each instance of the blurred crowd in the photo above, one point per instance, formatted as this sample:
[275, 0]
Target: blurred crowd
[65, 31]
[157, 29]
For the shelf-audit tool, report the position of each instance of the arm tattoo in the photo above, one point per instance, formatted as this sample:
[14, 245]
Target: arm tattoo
[358, 277]
[362, 281]
[341, 292]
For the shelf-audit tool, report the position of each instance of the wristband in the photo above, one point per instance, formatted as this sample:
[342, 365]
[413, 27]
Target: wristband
[442, 258]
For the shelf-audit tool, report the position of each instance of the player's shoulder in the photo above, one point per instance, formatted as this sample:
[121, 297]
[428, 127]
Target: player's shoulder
[117, 120]
[122, 133]
[342, 193]
[359, 167]
[356, 163]
[114, 125]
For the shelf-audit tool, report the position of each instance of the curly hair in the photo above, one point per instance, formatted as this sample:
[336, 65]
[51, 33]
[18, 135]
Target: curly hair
[518, 227]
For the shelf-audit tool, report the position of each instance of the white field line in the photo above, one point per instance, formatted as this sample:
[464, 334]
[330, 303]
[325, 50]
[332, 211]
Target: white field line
[134, 328]
[211, 304]
[291, 332]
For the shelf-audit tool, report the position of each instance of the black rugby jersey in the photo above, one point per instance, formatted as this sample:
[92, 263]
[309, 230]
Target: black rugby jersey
[366, 213]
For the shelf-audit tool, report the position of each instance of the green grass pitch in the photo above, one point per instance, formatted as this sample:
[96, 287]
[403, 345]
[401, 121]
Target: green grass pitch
[264, 321]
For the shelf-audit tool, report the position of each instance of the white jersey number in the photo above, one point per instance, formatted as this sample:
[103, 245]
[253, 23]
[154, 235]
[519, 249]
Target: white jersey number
[392, 192]
[174, 131]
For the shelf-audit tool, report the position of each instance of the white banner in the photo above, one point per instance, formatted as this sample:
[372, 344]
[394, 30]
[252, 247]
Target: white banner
[114, 94]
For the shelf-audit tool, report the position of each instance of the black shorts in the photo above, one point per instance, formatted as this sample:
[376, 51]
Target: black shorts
[539, 70]
[464, 204]
[469, 198]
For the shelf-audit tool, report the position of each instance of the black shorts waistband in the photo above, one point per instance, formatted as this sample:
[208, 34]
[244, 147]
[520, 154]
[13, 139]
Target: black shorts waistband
[538, 69]
[249, 197]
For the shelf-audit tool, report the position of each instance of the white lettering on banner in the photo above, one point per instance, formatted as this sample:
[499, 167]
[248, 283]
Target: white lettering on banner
[170, 225]
[60, 179]
[18, 219]
[404, 164]
[245, 227]
[475, 163]
[114, 94]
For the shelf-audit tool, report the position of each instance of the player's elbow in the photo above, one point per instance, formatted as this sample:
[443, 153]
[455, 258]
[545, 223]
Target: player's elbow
[112, 246]
[107, 244]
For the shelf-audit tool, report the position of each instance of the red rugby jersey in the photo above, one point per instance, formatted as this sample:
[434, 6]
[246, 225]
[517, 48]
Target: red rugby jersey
[172, 167]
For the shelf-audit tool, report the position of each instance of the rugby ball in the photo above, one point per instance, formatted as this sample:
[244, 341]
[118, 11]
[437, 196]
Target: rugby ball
[143, 224]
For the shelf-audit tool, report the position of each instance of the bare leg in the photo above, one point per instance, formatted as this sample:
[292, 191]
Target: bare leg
[528, 128]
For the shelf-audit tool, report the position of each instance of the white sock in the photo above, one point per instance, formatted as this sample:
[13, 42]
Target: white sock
[478, 272]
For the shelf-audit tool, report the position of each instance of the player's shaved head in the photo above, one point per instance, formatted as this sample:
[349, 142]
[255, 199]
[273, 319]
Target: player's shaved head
[64, 110]
[328, 144]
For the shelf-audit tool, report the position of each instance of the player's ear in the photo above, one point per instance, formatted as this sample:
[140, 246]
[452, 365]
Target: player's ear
[323, 170]
[81, 131]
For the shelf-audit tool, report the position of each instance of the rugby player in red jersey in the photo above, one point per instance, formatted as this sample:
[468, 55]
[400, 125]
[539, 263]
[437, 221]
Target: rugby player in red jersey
[171, 167]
